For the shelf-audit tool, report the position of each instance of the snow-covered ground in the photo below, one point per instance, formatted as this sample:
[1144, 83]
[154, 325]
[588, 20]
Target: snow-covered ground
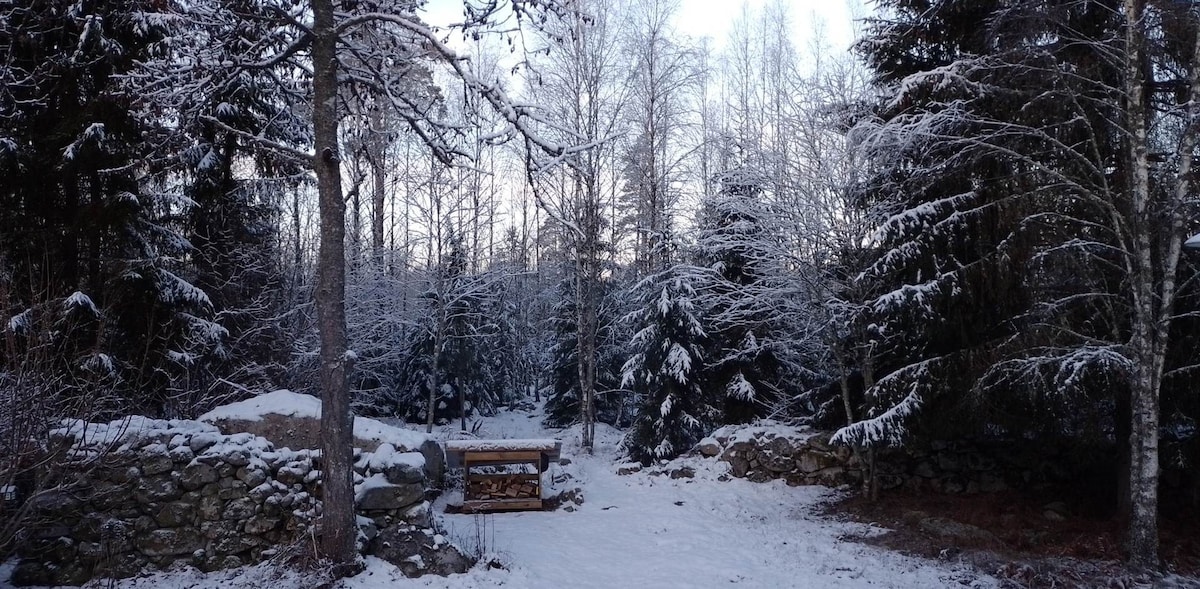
[640, 530]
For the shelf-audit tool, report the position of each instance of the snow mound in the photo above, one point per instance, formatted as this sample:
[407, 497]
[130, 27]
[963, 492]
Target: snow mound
[386, 456]
[281, 402]
[525, 445]
[129, 432]
[288, 404]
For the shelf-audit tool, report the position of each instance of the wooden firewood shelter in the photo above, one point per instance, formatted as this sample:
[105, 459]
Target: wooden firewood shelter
[515, 482]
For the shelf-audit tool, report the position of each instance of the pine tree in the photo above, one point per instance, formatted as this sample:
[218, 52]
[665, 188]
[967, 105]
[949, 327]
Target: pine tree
[665, 368]
[745, 296]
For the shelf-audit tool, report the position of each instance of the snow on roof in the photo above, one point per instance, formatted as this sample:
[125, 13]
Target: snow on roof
[290, 404]
[526, 445]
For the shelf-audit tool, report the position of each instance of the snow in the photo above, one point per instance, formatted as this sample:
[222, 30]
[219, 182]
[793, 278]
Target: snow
[543, 444]
[640, 530]
[386, 456]
[289, 404]
[78, 300]
[375, 481]
[128, 431]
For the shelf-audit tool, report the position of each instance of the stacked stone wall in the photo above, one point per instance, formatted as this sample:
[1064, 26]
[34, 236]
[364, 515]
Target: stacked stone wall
[802, 456]
[142, 492]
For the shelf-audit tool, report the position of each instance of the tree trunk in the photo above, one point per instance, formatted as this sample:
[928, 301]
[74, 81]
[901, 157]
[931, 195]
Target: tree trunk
[338, 531]
[378, 161]
[462, 404]
[1144, 345]
[438, 336]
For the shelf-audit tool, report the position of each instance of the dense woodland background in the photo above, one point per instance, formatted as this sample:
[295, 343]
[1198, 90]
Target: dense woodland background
[969, 228]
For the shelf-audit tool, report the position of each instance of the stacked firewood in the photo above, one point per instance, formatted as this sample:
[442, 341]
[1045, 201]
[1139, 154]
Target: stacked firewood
[502, 487]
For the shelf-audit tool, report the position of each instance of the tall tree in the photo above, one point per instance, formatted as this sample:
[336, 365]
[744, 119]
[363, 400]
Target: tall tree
[1016, 159]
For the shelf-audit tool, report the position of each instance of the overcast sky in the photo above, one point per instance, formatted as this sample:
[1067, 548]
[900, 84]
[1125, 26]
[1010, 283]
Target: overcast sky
[712, 18]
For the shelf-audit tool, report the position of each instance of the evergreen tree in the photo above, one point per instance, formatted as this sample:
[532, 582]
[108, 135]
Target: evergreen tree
[81, 218]
[665, 368]
[745, 296]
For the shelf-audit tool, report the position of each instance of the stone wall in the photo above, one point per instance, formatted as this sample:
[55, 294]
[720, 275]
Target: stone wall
[142, 492]
[802, 456]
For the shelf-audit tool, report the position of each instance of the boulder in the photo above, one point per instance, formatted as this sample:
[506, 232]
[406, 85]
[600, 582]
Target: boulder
[176, 514]
[417, 552]
[197, 475]
[377, 493]
[708, 447]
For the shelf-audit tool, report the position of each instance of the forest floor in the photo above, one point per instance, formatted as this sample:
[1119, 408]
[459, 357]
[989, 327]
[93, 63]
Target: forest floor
[1027, 539]
[681, 525]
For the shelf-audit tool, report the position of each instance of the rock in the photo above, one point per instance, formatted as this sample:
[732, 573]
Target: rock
[156, 464]
[1056, 511]
[991, 483]
[795, 479]
[760, 476]
[197, 475]
[419, 515]
[980, 462]
[152, 490]
[810, 462]
[924, 469]
[628, 469]
[389, 496]
[953, 485]
[888, 482]
[176, 514]
[239, 509]
[780, 447]
[685, 472]
[708, 447]
[233, 489]
[435, 461]
[368, 528]
[124, 474]
[174, 542]
[416, 552]
[739, 466]
[776, 462]
[957, 532]
[56, 502]
[948, 462]
[820, 441]
[404, 474]
[253, 477]
[833, 476]
[260, 525]
[211, 508]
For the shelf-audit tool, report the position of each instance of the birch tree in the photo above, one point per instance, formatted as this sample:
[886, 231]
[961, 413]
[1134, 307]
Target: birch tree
[1021, 174]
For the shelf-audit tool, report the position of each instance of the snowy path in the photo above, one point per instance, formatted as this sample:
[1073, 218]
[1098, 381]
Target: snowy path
[651, 531]
[639, 531]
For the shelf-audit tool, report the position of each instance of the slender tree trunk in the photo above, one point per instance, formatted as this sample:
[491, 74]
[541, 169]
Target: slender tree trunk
[462, 404]
[338, 530]
[378, 162]
[871, 481]
[439, 335]
[1144, 345]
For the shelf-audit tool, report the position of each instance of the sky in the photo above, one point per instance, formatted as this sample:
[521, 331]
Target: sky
[712, 18]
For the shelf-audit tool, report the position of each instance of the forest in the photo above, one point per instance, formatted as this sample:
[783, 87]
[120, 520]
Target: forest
[969, 222]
